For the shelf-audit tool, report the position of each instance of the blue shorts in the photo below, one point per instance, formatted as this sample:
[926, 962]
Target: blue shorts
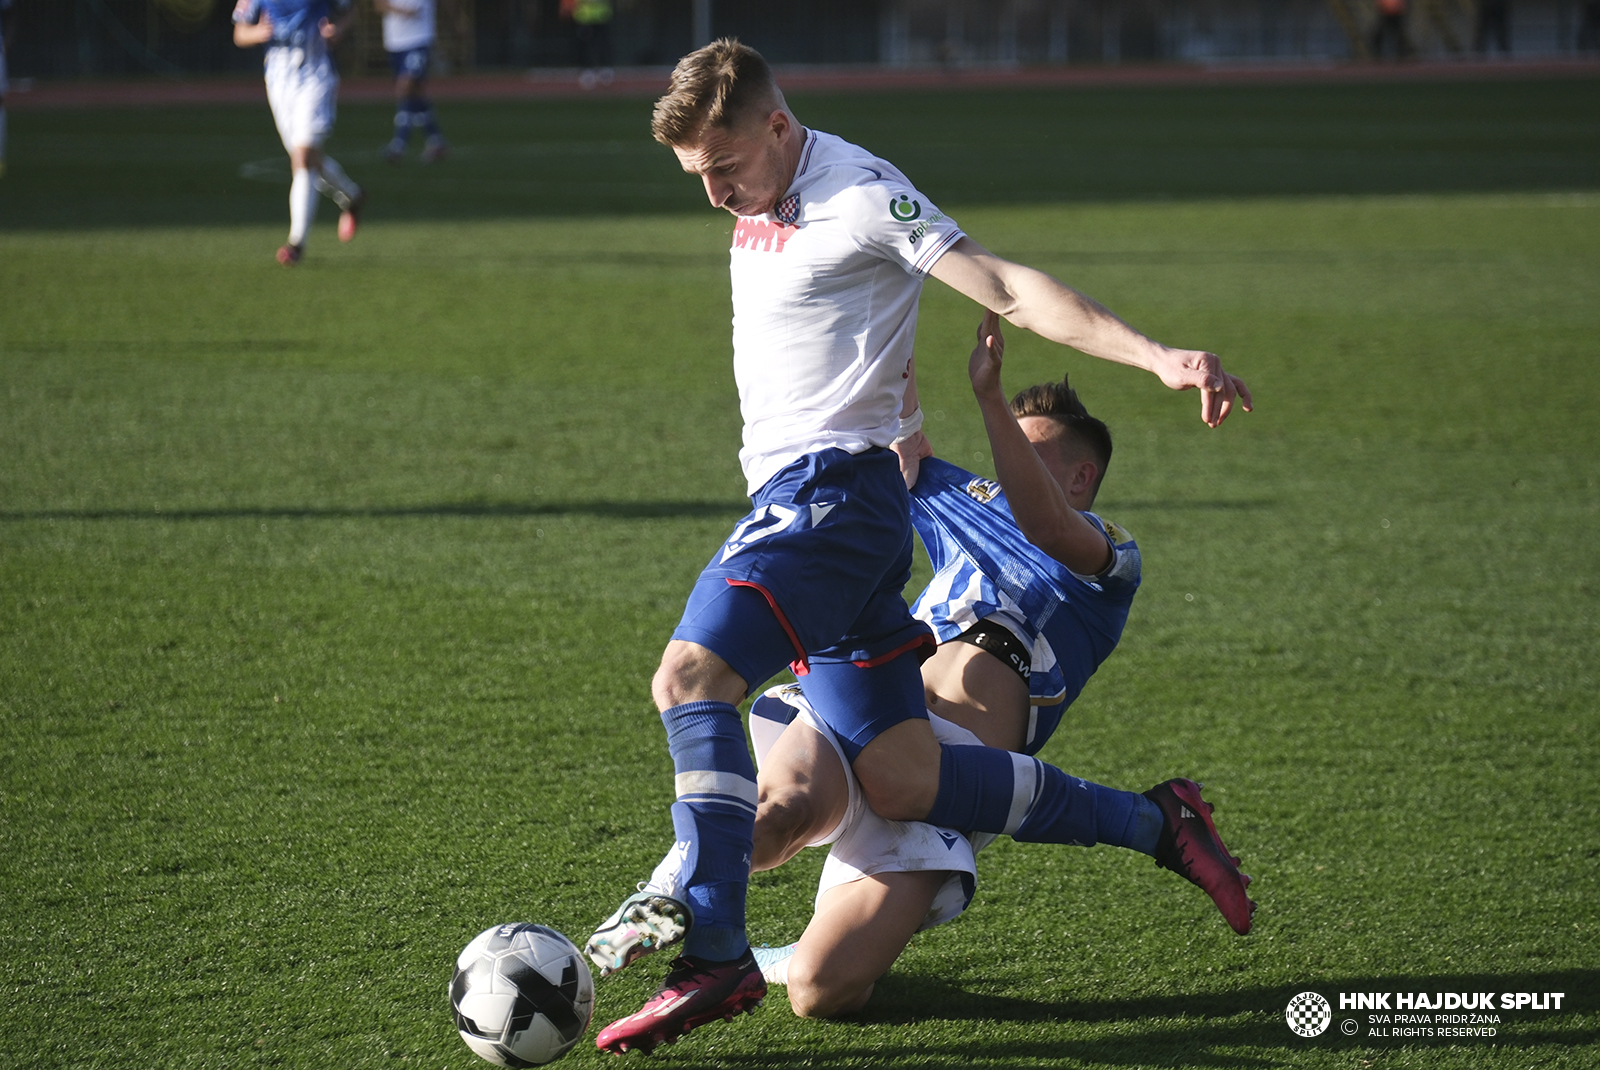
[412, 63]
[827, 546]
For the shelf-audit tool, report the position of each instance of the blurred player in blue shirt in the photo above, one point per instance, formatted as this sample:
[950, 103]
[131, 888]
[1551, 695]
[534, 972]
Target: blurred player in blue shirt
[303, 92]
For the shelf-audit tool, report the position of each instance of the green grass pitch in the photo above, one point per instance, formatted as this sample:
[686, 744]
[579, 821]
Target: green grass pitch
[329, 598]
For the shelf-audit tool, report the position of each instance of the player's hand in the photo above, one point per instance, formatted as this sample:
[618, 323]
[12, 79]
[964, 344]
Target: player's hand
[911, 450]
[248, 34]
[984, 367]
[329, 31]
[1191, 369]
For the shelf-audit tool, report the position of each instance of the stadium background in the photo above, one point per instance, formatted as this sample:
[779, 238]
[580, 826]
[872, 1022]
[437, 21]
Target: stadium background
[329, 597]
[79, 38]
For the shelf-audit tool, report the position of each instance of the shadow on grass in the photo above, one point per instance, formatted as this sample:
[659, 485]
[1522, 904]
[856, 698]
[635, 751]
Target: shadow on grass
[1236, 505]
[606, 510]
[1226, 1029]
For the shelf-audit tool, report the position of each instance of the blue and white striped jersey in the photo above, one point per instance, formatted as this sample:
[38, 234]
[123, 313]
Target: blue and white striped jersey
[294, 22]
[984, 567]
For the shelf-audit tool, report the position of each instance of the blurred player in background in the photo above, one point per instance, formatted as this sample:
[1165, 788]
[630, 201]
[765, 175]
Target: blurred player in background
[591, 33]
[828, 257]
[408, 31]
[8, 21]
[303, 91]
[1029, 595]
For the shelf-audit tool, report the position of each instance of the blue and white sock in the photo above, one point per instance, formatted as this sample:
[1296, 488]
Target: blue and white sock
[302, 207]
[714, 819]
[402, 126]
[984, 789]
[332, 181]
[422, 115]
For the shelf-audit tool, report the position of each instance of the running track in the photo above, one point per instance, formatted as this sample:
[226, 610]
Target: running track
[651, 82]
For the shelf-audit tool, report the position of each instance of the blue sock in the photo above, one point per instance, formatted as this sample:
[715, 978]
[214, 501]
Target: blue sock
[715, 820]
[402, 126]
[422, 115]
[984, 789]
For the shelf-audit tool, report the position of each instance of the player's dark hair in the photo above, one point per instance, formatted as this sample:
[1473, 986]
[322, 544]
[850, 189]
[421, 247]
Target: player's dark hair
[1059, 402]
[713, 86]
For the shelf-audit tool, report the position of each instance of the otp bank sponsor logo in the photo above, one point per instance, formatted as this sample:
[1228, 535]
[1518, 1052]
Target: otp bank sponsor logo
[904, 209]
[759, 236]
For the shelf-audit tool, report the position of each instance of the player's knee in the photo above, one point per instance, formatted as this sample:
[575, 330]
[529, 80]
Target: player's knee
[898, 791]
[691, 673]
[899, 771]
[815, 996]
[894, 804]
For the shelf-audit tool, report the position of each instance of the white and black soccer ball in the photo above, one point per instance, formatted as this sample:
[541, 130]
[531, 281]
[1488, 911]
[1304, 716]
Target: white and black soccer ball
[522, 994]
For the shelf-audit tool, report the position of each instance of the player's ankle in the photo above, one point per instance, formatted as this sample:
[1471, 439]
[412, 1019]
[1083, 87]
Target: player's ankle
[713, 945]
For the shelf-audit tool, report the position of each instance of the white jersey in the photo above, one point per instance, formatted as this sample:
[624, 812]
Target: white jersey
[825, 295]
[413, 28]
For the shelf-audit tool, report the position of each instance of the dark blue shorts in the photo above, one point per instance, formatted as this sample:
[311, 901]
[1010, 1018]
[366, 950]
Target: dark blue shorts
[827, 547]
[412, 63]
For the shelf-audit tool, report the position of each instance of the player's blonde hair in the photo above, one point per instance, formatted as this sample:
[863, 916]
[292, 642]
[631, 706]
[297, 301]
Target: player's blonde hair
[713, 86]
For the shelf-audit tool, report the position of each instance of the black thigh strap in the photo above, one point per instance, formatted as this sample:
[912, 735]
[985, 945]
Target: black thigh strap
[988, 636]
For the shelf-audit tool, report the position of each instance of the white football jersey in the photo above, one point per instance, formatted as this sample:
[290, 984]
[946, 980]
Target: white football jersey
[413, 28]
[825, 295]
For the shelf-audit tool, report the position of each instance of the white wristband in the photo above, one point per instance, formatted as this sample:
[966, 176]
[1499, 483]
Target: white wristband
[909, 425]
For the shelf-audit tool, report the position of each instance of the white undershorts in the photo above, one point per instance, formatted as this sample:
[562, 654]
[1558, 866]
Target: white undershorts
[864, 844]
[303, 94]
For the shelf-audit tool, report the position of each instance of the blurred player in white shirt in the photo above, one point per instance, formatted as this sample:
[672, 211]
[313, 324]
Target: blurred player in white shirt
[303, 91]
[408, 32]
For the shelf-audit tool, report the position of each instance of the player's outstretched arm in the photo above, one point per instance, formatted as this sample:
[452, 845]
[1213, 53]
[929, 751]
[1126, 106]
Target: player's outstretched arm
[1037, 501]
[1034, 301]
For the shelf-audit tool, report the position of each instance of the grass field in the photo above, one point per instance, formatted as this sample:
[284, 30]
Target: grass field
[329, 598]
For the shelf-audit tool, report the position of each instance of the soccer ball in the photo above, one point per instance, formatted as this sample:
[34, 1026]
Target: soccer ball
[522, 994]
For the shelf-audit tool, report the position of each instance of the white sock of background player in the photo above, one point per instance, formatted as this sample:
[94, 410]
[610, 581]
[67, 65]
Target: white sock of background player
[302, 206]
[336, 184]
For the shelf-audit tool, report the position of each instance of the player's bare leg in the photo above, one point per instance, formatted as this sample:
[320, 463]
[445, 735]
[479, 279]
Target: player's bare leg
[858, 931]
[899, 771]
[803, 795]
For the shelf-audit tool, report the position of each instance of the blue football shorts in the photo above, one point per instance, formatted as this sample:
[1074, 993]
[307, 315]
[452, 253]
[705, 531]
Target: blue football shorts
[827, 547]
[412, 63]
